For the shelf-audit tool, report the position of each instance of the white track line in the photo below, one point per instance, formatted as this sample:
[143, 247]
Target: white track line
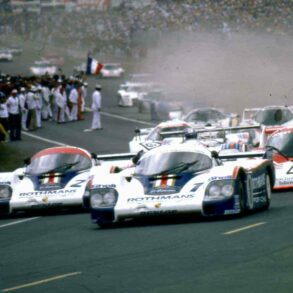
[88, 109]
[127, 119]
[40, 282]
[43, 139]
[18, 222]
[244, 228]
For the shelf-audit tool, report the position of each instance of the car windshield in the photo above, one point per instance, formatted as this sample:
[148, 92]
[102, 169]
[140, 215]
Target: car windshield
[204, 116]
[58, 162]
[274, 116]
[172, 163]
[283, 141]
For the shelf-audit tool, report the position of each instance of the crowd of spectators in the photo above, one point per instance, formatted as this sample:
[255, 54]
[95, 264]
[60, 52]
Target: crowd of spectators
[27, 101]
[123, 29]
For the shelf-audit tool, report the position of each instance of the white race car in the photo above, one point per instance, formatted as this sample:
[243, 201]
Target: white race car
[181, 179]
[201, 117]
[268, 116]
[6, 56]
[130, 92]
[53, 178]
[280, 144]
[43, 68]
[164, 133]
[111, 70]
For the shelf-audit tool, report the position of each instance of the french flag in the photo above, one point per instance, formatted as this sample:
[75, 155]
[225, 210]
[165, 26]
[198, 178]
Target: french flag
[93, 66]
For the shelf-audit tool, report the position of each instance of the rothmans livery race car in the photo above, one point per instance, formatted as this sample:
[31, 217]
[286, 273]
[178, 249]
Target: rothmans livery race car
[52, 178]
[280, 144]
[181, 179]
[167, 132]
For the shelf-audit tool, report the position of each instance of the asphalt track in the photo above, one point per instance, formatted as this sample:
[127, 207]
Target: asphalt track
[64, 252]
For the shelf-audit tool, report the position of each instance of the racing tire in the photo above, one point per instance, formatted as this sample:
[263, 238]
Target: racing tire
[268, 192]
[242, 200]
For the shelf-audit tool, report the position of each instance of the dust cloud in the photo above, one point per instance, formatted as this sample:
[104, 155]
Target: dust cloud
[232, 73]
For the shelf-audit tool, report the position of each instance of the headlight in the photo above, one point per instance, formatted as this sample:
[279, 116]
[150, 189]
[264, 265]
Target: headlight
[5, 192]
[220, 188]
[103, 197]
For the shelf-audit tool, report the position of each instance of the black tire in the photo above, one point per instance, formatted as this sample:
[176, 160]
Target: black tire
[242, 199]
[268, 192]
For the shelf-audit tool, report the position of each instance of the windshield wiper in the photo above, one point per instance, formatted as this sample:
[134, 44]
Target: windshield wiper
[178, 168]
[61, 168]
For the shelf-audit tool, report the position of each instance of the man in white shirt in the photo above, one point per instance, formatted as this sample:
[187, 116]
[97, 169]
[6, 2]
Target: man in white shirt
[14, 111]
[96, 107]
[23, 107]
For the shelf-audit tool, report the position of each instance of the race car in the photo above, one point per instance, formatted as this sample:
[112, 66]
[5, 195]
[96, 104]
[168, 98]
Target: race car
[43, 67]
[165, 132]
[111, 70]
[55, 177]
[6, 56]
[181, 179]
[268, 116]
[130, 92]
[280, 144]
[201, 117]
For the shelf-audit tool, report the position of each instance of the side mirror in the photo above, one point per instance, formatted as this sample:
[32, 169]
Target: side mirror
[27, 161]
[94, 156]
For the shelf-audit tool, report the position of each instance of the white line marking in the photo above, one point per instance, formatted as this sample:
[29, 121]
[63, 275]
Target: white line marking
[41, 282]
[104, 113]
[244, 228]
[18, 222]
[127, 119]
[42, 138]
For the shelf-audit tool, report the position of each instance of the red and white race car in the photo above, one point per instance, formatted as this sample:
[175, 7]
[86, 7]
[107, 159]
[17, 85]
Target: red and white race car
[280, 143]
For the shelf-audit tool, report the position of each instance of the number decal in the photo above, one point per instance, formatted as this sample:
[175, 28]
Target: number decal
[77, 183]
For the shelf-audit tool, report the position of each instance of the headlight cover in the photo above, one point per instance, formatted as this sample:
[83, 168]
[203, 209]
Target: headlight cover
[103, 198]
[5, 192]
[220, 189]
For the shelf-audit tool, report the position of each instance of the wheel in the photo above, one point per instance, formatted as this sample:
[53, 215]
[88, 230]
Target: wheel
[268, 192]
[242, 206]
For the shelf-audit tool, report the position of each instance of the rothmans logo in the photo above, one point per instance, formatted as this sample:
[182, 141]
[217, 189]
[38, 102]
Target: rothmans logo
[160, 198]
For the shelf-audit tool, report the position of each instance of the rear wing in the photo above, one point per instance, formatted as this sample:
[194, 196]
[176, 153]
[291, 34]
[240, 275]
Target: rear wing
[223, 131]
[242, 155]
[116, 157]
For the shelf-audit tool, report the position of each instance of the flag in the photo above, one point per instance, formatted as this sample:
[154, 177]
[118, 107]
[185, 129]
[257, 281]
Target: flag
[93, 66]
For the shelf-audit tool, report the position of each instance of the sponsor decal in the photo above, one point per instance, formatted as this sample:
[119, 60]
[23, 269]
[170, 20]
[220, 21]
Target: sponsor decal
[285, 181]
[103, 186]
[47, 193]
[220, 178]
[160, 198]
[167, 190]
[158, 213]
[45, 199]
